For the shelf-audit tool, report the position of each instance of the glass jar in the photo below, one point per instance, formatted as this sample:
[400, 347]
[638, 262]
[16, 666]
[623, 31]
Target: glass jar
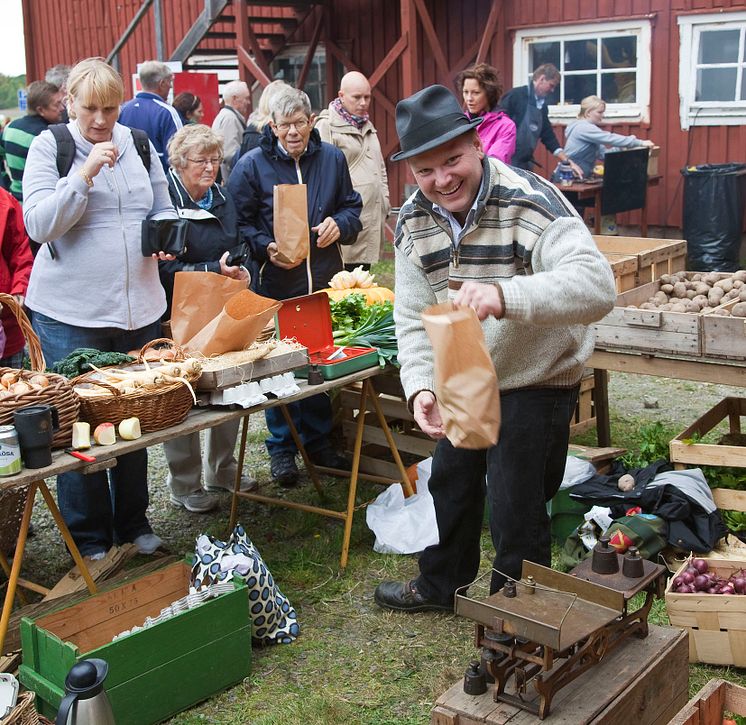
[564, 173]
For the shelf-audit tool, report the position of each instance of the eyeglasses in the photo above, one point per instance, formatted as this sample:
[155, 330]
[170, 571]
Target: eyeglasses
[299, 126]
[202, 163]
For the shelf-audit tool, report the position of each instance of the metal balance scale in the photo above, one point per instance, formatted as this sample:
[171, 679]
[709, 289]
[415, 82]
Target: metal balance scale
[549, 627]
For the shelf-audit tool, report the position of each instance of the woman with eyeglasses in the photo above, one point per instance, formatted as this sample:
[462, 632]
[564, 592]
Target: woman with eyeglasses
[195, 153]
[189, 107]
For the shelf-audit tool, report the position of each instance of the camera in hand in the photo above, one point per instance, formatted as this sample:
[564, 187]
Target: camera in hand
[164, 235]
[238, 255]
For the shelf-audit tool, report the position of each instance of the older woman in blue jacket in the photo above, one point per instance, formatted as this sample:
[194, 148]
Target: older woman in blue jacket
[91, 286]
[291, 152]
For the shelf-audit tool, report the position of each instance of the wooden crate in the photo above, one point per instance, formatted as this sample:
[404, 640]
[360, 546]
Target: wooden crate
[711, 703]
[154, 673]
[716, 622]
[630, 328]
[724, 336]
[643, 681]
[683, 451]
[624, 267]
[410, 440]
[654, 256]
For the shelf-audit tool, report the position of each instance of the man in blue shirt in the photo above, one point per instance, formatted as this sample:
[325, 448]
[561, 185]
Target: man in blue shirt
[149, 111]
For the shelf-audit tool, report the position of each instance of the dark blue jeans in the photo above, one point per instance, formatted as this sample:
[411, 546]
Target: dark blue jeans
[100, 510]
[522, 472]
[312, 418]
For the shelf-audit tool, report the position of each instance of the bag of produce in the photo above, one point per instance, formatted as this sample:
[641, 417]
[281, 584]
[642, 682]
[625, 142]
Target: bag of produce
[465, 378]
[290, 222]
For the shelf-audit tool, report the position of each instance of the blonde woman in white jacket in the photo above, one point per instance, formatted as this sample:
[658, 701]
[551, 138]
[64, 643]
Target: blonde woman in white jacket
[91, 286]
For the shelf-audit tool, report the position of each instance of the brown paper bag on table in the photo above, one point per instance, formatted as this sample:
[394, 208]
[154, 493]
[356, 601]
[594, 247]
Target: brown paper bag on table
[290, 222]
[465, 379]
[212, 314]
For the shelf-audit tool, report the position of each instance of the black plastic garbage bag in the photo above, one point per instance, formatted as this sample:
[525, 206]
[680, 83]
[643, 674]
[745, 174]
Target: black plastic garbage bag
[714, 201]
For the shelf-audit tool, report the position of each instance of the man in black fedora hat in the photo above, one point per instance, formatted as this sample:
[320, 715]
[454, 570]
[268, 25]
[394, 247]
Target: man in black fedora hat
[506, 243]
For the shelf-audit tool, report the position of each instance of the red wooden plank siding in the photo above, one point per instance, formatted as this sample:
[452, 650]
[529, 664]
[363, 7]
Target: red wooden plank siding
[66, 30]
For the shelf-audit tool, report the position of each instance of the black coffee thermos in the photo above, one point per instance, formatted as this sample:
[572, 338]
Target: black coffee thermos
[36, 426]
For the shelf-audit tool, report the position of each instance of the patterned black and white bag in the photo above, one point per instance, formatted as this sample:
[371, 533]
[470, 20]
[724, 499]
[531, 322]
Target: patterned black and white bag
[273, 620]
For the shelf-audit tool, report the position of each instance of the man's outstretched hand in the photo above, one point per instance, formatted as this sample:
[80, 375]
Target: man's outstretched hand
[427, 414]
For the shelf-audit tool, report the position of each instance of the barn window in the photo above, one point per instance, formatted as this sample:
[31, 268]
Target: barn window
[611, 60]
[712, 69]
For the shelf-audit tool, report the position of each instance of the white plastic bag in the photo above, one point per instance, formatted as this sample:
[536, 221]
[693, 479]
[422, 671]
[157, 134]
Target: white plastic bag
[404, 526]
[576, 471]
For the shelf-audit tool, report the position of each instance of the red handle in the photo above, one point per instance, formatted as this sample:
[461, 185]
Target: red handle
[81, 456]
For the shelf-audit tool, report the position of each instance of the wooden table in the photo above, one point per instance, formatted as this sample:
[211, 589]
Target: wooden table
[197, 420]
[678, 367]
[592, 190]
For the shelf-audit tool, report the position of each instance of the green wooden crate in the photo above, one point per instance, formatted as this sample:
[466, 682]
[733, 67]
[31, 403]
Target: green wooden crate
[154, 673]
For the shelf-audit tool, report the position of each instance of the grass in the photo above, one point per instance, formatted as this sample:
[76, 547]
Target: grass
[353, 662]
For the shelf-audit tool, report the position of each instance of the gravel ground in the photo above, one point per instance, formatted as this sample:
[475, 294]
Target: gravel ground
[47, 558]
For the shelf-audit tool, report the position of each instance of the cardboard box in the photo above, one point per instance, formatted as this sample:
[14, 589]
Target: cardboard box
[308, 319]
[154, 673]
[716, 622]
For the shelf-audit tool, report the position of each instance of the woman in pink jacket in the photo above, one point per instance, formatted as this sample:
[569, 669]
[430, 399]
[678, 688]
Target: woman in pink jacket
[480, 89]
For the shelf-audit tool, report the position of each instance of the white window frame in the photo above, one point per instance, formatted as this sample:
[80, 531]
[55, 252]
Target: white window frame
[704, 113]
[615, 112]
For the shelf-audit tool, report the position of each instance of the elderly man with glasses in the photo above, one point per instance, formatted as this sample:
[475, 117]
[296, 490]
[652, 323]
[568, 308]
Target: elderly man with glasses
[291, 152]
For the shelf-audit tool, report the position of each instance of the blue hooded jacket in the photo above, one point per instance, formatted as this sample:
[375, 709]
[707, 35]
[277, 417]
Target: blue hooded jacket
[324, 170]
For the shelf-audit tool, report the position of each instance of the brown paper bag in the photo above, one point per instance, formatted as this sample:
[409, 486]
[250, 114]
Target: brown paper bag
[290, 225]
[465, 379]
[212, 314]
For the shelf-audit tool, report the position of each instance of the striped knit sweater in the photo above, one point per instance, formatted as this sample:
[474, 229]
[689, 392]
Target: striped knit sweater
[525, 238]
[17, 138]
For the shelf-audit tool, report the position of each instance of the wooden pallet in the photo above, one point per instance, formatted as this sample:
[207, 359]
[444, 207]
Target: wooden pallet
[412, 443]
[643, 681]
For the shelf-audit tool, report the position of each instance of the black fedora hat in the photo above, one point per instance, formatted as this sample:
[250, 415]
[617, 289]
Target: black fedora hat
[428, 119]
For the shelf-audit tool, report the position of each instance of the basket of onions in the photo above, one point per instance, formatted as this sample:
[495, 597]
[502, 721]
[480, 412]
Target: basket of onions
[708, 597]
[19, 388]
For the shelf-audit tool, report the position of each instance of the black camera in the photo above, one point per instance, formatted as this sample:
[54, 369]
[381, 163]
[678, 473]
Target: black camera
[164, 235]
[238, 255]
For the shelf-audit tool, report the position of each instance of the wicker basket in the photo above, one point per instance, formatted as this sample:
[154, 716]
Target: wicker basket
[24, 713]
[156, 408]
[58, 393]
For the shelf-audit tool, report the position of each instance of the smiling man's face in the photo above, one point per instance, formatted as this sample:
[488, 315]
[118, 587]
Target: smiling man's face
[450, 174]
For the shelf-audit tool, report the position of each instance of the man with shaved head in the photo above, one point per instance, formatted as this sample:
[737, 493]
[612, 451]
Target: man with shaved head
[346, 124]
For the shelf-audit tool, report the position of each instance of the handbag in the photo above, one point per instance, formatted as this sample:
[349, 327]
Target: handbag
[164, 235]
[273, 619]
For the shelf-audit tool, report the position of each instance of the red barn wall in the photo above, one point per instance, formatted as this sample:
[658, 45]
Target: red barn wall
[66, 30]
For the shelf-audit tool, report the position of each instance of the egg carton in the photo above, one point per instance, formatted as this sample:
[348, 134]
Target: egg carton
[190, 601]
[247, 395]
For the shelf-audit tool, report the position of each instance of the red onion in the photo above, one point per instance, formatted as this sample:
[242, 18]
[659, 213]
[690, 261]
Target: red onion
[713, 590]
[685, 589]
[727, 589]
[700, 565]
[677, 582]
[687, 577]
[691, 570]
[739, 584]
[701, 582]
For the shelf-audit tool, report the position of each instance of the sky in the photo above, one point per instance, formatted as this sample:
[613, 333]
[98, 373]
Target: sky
[12, 58]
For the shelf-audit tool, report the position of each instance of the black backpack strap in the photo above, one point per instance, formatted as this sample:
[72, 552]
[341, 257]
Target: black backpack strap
[142, 146]
[65, 147]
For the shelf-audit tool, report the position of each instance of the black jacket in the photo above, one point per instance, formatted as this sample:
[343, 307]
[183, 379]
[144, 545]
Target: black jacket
[330, 193]
[207, 239]
[514, 103]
